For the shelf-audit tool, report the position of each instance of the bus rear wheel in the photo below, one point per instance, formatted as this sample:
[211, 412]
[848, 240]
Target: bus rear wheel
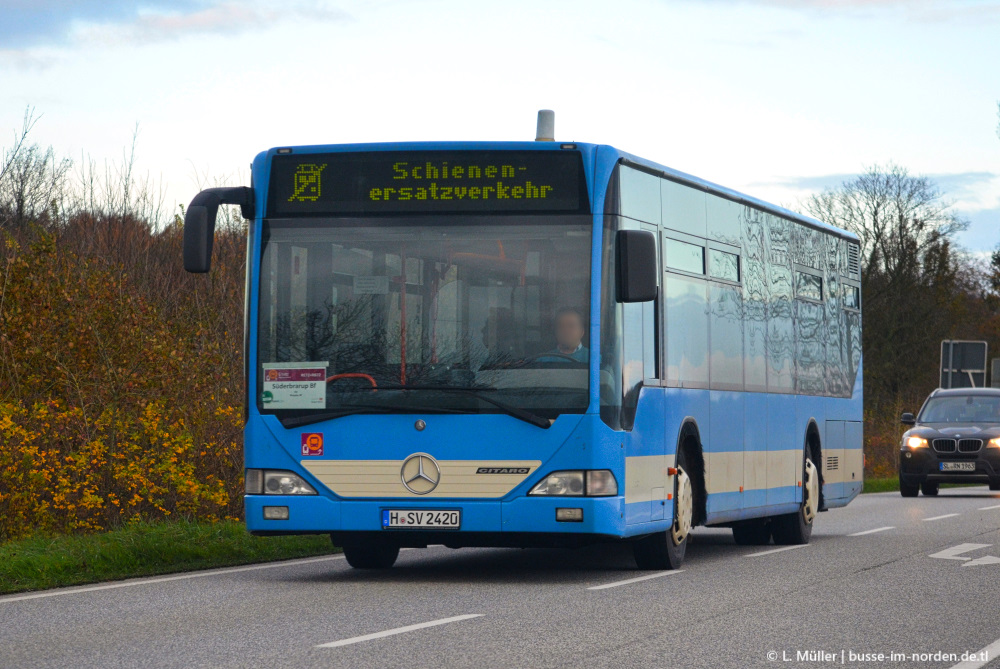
[665, 550]
[796, 528]
[371, 555]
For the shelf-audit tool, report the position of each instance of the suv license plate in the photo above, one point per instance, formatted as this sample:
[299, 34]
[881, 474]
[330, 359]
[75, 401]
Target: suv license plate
[958, 466]
[410, 519]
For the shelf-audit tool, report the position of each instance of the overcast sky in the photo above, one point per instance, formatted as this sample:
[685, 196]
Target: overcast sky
[777, 98]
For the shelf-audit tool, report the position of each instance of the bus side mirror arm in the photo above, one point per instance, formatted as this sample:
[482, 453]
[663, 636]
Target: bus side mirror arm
[637, 266]
[199, 223]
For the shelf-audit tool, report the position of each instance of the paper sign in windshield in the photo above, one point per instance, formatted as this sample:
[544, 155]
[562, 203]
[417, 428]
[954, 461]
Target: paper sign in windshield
[294, 385]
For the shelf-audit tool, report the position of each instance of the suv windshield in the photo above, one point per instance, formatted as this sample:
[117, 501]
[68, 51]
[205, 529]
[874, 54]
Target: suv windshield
[962, 409]
[459, 314]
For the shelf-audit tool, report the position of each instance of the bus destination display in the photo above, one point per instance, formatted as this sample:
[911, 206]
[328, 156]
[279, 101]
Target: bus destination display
[427, 182]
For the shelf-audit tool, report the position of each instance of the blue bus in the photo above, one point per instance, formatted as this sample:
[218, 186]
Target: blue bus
[536, 344]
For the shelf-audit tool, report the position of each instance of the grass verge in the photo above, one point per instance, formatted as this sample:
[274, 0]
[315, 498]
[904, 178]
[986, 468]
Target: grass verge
[880, 485]
[892, 485]
[146, 549]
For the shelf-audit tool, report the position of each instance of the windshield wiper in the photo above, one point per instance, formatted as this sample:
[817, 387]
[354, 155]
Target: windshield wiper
[508, 409]
[309, 419]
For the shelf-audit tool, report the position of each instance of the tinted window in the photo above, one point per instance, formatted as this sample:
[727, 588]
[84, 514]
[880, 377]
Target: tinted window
[724, 265]
[852, 297]
[686, 331]
[640, 195]
[808, 286]
[684, 256]
[683, 208]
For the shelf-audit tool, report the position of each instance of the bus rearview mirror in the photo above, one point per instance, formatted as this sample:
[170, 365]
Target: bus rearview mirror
[637, 266]
[199, 223]
[198, 238]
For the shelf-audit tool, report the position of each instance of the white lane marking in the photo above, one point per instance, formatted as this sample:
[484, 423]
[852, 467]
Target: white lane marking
[877, 529]
[635, 580]
[986, 559]
[776, 550]
[947, 515]
[988, 508]
[955, 552]
[398, 630]
[986, 654]
[165, 579]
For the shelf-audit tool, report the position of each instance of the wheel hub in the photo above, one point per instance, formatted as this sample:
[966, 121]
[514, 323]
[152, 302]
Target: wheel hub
[683, 508]
[810, 489]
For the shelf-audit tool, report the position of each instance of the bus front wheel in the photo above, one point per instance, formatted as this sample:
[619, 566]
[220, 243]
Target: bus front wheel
[665, 550]
[371, 555]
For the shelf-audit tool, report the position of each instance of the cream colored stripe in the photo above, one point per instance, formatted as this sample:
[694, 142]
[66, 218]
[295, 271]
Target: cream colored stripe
[381, 478]
[646, 478]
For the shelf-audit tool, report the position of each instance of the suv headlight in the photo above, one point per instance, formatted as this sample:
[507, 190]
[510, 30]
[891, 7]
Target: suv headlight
[578, 483]
[916, 442]
[276, 482]
[994, 442]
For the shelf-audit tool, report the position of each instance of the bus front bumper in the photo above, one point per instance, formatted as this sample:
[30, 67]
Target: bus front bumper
[517, 522]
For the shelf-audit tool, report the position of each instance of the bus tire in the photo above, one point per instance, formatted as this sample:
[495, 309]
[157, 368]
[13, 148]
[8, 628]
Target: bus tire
[371, 555]
[756, 532]
[665, 550]
[929, 489]
[796, 528]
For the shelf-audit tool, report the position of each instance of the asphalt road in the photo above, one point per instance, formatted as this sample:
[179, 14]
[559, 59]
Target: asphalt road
[918, 577]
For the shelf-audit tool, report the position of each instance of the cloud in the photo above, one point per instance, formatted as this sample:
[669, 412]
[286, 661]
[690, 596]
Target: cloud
[962, 186]
[921, 10]
[29, 24]
[983, 231]
[814, 183]
[224, 18]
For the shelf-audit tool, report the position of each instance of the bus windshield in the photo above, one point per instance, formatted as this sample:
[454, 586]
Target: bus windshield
[453, 314]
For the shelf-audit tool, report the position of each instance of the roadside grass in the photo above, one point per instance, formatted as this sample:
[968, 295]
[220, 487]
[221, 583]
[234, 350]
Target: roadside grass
[880, 485]
[143, 549]
[892, 485]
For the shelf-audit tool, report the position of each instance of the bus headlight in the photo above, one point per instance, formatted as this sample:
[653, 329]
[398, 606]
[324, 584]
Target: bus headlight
[278, 482]
[569, 484]
[916, 442]
[578, 483]
[286, 483]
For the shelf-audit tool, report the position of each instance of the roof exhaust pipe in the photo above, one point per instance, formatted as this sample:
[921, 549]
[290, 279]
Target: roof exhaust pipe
[546, 130]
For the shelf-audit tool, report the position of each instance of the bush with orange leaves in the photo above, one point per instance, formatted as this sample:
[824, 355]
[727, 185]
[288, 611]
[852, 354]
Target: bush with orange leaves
[119, 381]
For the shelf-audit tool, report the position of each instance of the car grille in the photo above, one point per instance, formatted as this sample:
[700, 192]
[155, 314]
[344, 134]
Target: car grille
[969, 445]
[944, 445]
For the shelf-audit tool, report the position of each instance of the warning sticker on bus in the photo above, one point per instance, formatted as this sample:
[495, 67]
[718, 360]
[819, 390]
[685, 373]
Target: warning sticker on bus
[294, 385]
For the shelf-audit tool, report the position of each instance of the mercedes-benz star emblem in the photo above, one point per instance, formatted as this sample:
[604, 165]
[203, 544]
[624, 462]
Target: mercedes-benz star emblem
[420, 473]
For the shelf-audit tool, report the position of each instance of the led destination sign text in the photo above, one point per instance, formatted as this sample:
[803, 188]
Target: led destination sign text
[427, 182]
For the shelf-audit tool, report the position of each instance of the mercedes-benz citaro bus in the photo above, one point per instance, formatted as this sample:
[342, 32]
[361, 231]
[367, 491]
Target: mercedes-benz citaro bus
[536, 344]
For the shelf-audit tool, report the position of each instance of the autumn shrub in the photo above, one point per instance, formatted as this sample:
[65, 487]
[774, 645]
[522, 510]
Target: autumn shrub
[119, 400]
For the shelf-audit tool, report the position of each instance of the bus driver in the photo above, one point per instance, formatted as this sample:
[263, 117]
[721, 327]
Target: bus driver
[569, 331]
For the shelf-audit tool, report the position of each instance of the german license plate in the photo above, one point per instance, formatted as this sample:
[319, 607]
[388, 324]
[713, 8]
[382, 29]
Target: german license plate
[958, 466]
[411, 519]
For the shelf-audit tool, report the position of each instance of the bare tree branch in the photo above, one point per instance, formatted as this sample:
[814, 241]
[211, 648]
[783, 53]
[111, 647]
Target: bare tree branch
[20, 137]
